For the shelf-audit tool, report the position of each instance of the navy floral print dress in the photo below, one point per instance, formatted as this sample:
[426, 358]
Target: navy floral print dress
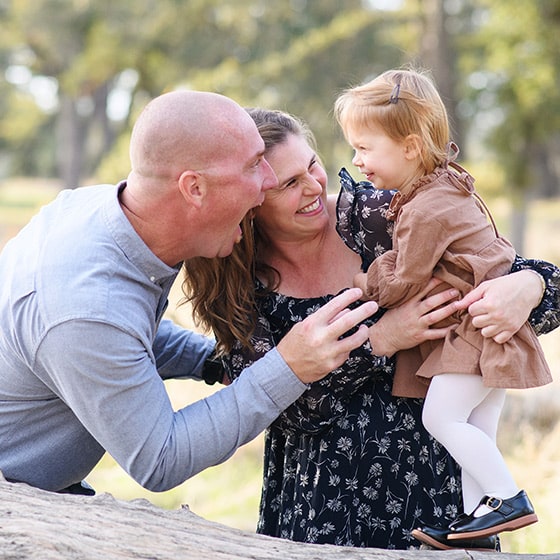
[348, 463]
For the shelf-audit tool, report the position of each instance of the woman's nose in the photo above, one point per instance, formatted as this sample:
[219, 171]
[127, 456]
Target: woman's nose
[313, 184]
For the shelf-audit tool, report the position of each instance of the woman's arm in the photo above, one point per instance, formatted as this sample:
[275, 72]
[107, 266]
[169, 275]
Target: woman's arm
[410, 324]
[500, 306]
[546, 316]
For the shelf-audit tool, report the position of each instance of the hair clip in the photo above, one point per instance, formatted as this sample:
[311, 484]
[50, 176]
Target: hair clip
[395, 94]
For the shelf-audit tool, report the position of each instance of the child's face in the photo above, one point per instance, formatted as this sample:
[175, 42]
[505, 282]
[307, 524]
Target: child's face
[385, 162]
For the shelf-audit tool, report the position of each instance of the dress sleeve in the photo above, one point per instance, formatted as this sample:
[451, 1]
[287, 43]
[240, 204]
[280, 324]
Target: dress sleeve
[361, 218]
[546, 316]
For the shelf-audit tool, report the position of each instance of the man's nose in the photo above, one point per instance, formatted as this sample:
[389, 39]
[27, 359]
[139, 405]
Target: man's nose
[270, 180]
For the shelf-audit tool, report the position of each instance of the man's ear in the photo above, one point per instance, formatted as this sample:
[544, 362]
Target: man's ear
[192, 187]
[412, 146]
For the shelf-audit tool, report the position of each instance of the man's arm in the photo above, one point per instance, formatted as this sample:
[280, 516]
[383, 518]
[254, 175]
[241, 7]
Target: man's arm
[108, 378]
[179, 352]
[109, 381]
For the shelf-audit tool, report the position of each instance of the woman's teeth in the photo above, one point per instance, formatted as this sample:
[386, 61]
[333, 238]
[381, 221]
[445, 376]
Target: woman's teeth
[310, 208]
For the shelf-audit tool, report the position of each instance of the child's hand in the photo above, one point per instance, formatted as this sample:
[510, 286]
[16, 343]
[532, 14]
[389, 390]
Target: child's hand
[360, 281]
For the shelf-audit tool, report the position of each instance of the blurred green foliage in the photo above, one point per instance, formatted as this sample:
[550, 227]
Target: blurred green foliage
[78, 71]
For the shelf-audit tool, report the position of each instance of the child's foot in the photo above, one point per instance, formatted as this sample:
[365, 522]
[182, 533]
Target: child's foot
[437, 538]
[505, 515]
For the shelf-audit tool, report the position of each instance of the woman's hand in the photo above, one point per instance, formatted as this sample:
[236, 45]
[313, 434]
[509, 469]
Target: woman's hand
[409, 325]
[499, 307]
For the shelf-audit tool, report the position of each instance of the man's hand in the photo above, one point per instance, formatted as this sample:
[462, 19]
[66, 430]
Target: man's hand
[314, 347]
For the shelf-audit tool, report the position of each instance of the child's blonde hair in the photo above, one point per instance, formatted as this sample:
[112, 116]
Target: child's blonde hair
[402, 102]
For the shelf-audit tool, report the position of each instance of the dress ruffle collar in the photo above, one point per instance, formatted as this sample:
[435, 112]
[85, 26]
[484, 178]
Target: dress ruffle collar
[453, 172]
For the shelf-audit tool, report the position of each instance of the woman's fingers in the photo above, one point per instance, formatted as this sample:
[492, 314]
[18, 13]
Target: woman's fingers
[439, 313]
[409, 324]
[499, 307]
[439, 306]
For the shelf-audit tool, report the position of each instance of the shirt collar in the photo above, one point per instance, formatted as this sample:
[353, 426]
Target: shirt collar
[132, 244]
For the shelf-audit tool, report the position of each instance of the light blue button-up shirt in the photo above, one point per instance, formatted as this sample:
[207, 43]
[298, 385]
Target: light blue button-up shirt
[84, 349]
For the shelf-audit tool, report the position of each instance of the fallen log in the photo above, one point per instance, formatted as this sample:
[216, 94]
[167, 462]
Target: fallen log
[35, 524]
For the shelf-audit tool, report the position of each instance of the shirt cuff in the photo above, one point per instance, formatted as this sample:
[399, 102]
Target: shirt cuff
[277, 379]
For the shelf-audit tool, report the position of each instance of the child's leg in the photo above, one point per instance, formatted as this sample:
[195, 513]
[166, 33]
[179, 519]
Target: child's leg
[450, 402]
[486, 417]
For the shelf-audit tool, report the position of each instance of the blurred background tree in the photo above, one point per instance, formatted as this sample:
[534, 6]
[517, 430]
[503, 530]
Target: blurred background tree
[76, 73]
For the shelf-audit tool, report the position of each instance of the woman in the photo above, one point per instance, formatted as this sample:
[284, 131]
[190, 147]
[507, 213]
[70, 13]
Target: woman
[344, 464]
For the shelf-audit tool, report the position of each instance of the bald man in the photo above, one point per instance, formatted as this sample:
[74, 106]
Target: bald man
[83, 347]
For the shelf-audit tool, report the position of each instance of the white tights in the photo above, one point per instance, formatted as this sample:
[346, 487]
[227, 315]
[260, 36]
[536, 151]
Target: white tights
[463, 415]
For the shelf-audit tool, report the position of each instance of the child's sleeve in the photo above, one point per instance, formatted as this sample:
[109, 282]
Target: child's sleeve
[400, 274]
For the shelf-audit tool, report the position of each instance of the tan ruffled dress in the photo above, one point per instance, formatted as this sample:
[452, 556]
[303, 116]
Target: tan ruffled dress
[442, 229]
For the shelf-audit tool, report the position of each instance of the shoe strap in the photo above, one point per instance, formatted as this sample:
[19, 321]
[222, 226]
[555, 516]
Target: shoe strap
[497, 504]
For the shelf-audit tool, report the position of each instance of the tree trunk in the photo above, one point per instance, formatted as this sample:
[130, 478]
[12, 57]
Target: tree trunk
[437, 53]
[70, 143]
[40, 525]
[518, 227]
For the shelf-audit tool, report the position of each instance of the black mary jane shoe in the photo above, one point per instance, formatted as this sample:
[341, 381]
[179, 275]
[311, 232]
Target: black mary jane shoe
[506, 515]
[436, 537]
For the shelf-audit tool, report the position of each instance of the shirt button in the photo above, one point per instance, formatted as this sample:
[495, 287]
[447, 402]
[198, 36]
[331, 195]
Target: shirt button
[152, 278]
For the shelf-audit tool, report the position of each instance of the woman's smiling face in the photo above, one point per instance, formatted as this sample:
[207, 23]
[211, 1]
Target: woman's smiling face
[298, 203]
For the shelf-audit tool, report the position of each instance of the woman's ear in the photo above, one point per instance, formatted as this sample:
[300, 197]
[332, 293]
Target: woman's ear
[192, 187]
[412, 146]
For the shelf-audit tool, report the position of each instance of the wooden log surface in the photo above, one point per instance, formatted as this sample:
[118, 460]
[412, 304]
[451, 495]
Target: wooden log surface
[35, 524]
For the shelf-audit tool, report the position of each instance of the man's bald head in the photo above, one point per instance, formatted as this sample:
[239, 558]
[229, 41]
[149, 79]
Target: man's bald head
[198, 167]
[185, 130]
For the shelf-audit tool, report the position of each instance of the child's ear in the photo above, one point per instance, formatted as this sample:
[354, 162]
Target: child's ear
[412, 146]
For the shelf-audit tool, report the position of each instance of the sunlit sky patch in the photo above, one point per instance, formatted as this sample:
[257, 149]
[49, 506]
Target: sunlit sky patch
[385, 5]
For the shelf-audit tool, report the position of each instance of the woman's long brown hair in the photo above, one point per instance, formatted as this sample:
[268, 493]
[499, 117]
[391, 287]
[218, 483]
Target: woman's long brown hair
[222, 290]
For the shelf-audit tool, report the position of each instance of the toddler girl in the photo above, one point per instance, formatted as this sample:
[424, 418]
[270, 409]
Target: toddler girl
[398, 127]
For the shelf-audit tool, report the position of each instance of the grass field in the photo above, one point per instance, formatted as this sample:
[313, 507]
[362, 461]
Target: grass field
[230, 493]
